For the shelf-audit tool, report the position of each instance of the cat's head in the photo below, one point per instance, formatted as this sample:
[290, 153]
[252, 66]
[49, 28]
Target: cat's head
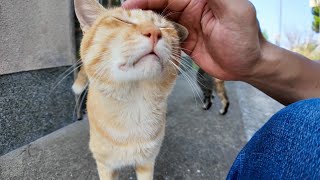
[127, 45]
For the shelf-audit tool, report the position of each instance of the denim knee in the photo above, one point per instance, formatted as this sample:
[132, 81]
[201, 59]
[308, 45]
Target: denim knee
[286, 147]
[305, 112]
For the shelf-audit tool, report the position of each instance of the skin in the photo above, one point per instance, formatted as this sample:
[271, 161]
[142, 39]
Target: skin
[225, 40]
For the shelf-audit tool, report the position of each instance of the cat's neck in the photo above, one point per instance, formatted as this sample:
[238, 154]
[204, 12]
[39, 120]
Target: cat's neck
[138, 111]
[128, 92]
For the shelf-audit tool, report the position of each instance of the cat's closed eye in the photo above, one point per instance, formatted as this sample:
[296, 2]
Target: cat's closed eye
[124, 21]
[131, 23]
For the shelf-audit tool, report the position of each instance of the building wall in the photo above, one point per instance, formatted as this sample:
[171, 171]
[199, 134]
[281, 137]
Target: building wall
[35, 34]
[36, 47]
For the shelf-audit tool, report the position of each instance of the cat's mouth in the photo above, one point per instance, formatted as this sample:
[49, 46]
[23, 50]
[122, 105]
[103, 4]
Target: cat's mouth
[152, 56]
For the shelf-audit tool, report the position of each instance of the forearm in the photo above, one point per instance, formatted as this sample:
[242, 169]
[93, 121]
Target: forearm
[286, 76]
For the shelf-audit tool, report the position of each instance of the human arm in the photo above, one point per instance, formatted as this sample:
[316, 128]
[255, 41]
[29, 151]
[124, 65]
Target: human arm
[225, 40]
[286, 76]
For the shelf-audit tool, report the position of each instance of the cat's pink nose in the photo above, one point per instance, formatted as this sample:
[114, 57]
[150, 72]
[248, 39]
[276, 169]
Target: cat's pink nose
[153, 33]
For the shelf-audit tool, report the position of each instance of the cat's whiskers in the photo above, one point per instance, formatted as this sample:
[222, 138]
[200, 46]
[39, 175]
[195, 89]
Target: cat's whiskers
[67, 71]
[184, 42]
[191, 67]
[171, 13]
[166, 8]
[97, 75]
[166, 28]
[190, 82]
[70, 68]
[58, 83]
[196, 75]
[174, 56]
[193, 56]
[184, 49]
[186, 66]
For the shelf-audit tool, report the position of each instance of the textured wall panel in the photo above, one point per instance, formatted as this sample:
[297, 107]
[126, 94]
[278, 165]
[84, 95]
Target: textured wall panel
[35, 34]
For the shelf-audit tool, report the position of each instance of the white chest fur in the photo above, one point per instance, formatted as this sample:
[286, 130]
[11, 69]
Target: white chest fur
[139, 118]
[132, 127]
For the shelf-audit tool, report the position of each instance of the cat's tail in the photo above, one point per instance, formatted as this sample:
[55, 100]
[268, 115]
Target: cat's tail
[81, 82]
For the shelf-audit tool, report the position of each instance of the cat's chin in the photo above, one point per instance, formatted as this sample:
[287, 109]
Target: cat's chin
[146, 60]
[149, 66]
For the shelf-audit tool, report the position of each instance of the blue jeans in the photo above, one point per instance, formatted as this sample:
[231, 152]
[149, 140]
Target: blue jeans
[286, 147]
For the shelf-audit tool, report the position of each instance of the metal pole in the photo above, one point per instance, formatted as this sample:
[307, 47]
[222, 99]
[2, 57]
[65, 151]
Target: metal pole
[280, 23]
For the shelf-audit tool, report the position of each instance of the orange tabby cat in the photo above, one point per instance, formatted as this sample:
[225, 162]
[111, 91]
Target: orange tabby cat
[129, 58]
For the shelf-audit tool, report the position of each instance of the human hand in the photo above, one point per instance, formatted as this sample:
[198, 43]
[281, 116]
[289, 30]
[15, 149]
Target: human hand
[224, 36]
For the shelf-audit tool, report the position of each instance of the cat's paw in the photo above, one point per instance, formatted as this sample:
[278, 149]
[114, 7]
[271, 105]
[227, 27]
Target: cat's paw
[224, 110]
[207, 103]
[207, 106]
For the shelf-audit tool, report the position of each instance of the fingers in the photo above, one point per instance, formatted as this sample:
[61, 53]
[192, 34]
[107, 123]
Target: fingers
[168, 5]
[146, 4]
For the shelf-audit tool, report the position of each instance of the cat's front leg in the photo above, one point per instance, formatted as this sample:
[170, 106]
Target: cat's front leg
[145, 171]
[106, 173]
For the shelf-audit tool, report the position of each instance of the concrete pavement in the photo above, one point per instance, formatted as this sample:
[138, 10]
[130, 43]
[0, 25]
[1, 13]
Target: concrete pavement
[198, 144]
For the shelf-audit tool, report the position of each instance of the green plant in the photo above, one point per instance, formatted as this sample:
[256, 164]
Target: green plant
[316, 21]
[265, 34]
[304, 44]
[309, 50]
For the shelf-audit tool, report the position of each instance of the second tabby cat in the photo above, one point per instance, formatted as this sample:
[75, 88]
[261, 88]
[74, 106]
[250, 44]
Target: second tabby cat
[208, 85]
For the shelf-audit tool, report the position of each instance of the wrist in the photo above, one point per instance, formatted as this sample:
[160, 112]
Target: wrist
[269, 63]
[285, 75]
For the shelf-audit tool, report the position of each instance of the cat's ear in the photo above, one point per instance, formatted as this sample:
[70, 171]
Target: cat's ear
[87, 12]
[183, 32]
